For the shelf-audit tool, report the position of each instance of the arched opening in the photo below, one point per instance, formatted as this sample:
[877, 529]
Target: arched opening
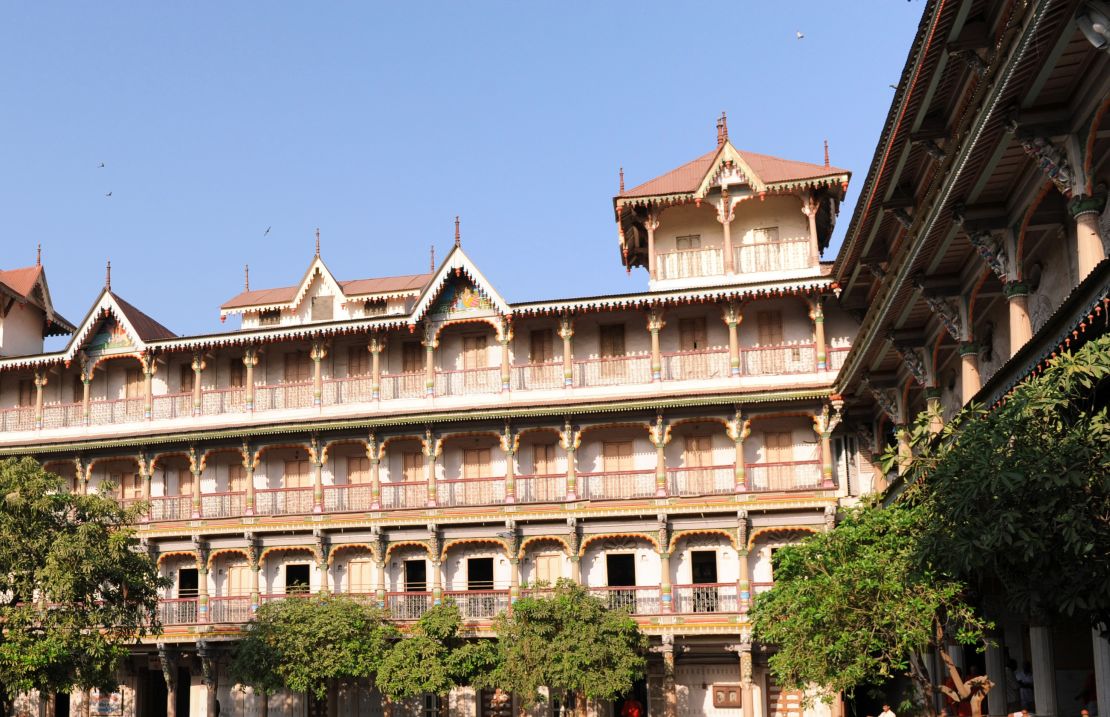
[701, 459]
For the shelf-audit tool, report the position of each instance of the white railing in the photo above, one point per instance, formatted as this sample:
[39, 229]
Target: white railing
[223, 400]
[283, 395]
[221, 505]
[705, 597]
[639, 600]
[172, 405]
[712, 480]
[413, 494]
[355, 389]
[403, 385]
[229, 609]
[63, 415]
[617, 485]
[772, 256]
[17, 419]
[479, 604]
[541, 488]
[283, 501]
[118, 411]
[470, 491]
[689, 263]
[836, 357]
[174, 507]
[683, 365]
[355, 496]
[612, 371]
[468, 381]
[536, 376]
[795, 475]
[408, 605]
[779, 360]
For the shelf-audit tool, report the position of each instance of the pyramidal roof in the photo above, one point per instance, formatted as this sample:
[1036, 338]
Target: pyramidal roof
[28, 285]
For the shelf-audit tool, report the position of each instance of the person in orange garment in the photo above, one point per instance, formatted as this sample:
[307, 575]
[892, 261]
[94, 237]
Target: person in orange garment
[632, 708]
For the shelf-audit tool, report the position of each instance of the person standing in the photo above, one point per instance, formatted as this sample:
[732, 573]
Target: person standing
[887, 712]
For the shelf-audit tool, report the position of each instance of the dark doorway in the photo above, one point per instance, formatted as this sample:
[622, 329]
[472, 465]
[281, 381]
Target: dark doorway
[182, 690]
[416, 576]
[296, 579]
[479, 573]
[153, 694]
[639, 693]
[621, 570]
[61, 704]
[703, 566]
[188, 581]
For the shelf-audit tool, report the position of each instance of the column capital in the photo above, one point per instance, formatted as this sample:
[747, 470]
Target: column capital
[1015, 288]
[969, 348]
[1087, 204]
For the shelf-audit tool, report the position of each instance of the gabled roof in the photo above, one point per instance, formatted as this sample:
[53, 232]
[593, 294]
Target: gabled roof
[762, 172]
[20, 285]
[146, 328]
[138, 325]
[456, 263]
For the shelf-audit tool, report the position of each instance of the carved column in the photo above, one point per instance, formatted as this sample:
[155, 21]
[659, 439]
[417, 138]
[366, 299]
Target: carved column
[201, 551]
[430, 344]
[381, 550]
[739, 428]
[316, 457]
[144, 476]
[569, 440]
[317, 354]
[509, 444]
[435, 548]
[248, 476]
[651, 224]
[379, 589]
[196, 467]
[744, 651]
[655, 324]
[256, 572]
[824, 423]
[208, 669]
[250, 360]
[148, 386]
[566, 332]
[505, 338]
[743, 581]
[660, 434]
[1085, 209]
[810, 205]
[320, 551]
[1021, 328]
[670, 692]
[374, 453]
[817, 314]
[514, 561]
[40, 383]
[86, 379]
[376, 345]
[732, 316]
[932, 405]
[724, 216]
[574, 544]
[666, 593]
[168, 661]
[432, 446]
[969, 371]
[198, 372]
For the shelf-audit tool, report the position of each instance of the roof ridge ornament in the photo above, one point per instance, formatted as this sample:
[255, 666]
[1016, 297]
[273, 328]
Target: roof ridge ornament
[432, 263]
[827, 153]
[458, 237]
[317, 242]
[108, 276]
[246, 277]
[622, 180]
[722, 129]
[38, 255]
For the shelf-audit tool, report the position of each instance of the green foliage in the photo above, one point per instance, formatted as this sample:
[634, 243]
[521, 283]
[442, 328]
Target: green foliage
[1016, 500]
[435, 658]
[852, 606]
[569, 642]
[303, 643]
[74, 588]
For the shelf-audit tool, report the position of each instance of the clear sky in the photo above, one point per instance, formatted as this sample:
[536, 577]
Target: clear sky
[379, 122]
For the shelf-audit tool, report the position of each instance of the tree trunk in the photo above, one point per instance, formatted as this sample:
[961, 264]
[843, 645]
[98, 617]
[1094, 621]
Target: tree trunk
[580, 704]
[264, 707]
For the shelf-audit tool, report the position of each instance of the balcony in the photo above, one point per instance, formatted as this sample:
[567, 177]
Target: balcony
[541, 488]
[705, 598]
[479, 604]
[178, 611]
[21, 418]
[407, 605]
[689, 264]
[779, 360]
[714, 480]
[638, 600]
[538, 376]
[691, 365]
[235, 609]
[471, 491]
[772, 256]
[613, 371]
[775, 477]
[283, 501]
[468, 382]
[616, 485]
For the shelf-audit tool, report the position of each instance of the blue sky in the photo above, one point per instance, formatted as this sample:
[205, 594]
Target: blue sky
[380, 122]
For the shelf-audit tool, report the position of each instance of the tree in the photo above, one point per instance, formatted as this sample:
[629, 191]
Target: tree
[569, 642]
[435, 658]
[854, 606]
[1016, 498]
[74, 588]
[304, 644]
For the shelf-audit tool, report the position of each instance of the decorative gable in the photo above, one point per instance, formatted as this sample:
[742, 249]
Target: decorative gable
[458, 290]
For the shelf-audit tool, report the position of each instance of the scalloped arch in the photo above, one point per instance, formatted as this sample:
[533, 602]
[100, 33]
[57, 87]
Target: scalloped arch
[594, 538]
[780, 530]
[728, 535]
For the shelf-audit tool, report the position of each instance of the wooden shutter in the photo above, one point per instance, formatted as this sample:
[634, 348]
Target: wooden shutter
[780, 447]
[769, 324]
[26, 393]
[549, 568]
[412, 466]
[474, 352]
[412, 357]
[358, 469]
[184, 482]
[236, 373]
[686, 243]
[612, 340]
[617, 456]
[699, 452]
[131, 487]
[476, 463]
[691, 334]
[187, 378]
[543, 459]
[297, 367]
[358, 361]
[238, 580]
[297, 474]
[134, 383]
[360, 576]
[236, 478]
[542, 346]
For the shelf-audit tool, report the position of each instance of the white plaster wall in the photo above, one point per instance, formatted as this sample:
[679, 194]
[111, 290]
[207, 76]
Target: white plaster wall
[455, 566]
[693, 685]
[593, 565]
[528, 564]
[21, 331]
[450, 462]
[521, 344]
[797, 327]
[728, 564]
[806, 447]
[449, 353]
[590, 454]
[784, 212]
[525, 455]
[716, 331]
[686, 219]
[722, 448]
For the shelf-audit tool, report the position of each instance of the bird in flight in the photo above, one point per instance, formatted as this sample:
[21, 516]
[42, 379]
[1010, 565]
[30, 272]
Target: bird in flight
[108, 194]
[893, 87]
[267, 231]
[101, 165]
[799, 34]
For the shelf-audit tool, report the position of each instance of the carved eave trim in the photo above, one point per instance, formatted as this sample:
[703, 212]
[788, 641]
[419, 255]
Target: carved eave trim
[457, 263]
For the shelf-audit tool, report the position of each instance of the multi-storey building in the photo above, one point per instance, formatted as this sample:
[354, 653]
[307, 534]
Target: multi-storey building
[411, 439]
[978, 251]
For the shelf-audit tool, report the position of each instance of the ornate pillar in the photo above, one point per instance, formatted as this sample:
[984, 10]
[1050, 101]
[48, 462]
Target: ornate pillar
[250, 360]
[574, 544]
[1044, 669]
[509, 443]
[505, 337]
[248, 477]
[1021, 328]
[317, 354]
[86, 379]
[144, 476]
[432, 447]
[932, 405]
[824, 423]
[724, 216]
[1085, 209]
[651, 224]
[148, 386]
[317, 457]
[969, 371]
[435, 545]
[208, 670]
[810, 205]
[570, 440]
[167, 660]
[256, 573]
[376, 345]
[670, 693]
[739, 428]
[732, 316]
[379, 587]
[666, 593]
[202, 579]
[655, 324]
[320, 551]
[374, 453]
[743, 580]
[744, 651]
[40, 383]
[566, 332]
[817, 314]
[196, 467]
[198, 371]
[430, 344]
[514, 562]
[660, 434]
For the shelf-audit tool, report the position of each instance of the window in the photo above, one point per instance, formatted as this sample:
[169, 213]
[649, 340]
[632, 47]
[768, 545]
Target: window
[323, 308]
[360, 576]
[270, 317]
[184, 482]
[412, 466]
[239, 580]
[26, 392]
[358, 361]
[611, 340]
[187, 378]
[358, 469]
[765, 235]
[476, 463]
[617, 456]
[297, 474]
[236, 478]
[769, 325]
[412, 357]
[688, 242]
[479, 573]
[474, 352]
[543, 459]
[416, 576]
[188, 583]
[133, 383]
[541, 346]
[298, 367]
[296, 579]
[549, 568]
[130, 486]
[236, 373]
[691, 334]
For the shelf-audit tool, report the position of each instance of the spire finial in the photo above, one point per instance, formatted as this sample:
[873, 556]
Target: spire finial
[246, 277]
[826, 153]
[432, 262]
[317, 241]
[38, 255]
[622, 180]
[108, 277]
[724, 128]
[458, 237]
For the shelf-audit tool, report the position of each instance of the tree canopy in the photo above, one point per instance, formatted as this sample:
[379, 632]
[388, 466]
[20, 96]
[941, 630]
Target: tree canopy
[569, 642]
[74, 589]
[303, 644]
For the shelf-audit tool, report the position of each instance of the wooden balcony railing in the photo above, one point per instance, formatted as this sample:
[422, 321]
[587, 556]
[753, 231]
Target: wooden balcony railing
[638, 600]
[174, 507]
[178, 611]
[712, 480]
[122, 410]
[541, 488]
[63, 415]
[283, 395]
[689, 263]
[283, 501]
[352, 389]
[221, 505]
[705, 597]
[688, 365]
[772, 256]
[411, 494]
[616, 485]
[21, 418]
[229, 609]
[538, 376]
[795, 475]
[779, 360]
[347, 497]
[172, 405]
[612, 371]
[470, 491]
[403, 385]
[468, 382]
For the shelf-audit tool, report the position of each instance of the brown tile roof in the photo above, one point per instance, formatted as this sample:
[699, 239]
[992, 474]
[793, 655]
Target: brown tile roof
[147, 328]
[354, 287]
[768, 169]
[21, 281]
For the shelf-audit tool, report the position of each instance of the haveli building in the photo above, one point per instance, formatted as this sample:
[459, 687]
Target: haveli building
[977, 252]
[410, 439]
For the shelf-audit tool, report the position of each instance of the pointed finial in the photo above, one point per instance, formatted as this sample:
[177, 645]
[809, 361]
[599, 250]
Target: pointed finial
[108, 276]
[622, 180]
[432, 263]
[246, 277]
[317, 241]
[720, 133]
[724, 128]
[826, 153]
[458, 237]
[38, 255]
